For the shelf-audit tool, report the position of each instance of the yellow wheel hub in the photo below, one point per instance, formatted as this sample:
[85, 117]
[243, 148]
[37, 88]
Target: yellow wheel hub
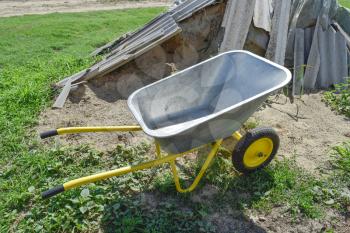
[258, 152]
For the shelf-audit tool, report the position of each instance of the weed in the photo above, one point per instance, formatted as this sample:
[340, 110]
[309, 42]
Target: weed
[340, 180]
[251, 124]
[343, 157]
[283, 183]
[339, 98]
[79, 209]
[134, 215]
[36, 51]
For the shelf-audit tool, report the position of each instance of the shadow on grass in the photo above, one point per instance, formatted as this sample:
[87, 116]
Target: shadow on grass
[147, 201]
[212, 207]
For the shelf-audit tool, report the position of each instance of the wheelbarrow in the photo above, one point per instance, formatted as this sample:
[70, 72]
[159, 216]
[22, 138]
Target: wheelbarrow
[201, 105]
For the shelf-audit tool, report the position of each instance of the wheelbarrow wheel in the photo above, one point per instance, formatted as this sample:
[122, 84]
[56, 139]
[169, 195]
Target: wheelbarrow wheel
[255, 150]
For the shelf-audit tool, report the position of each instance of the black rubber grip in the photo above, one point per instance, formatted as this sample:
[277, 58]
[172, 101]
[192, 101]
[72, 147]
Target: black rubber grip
[48, 134]
[52, 192]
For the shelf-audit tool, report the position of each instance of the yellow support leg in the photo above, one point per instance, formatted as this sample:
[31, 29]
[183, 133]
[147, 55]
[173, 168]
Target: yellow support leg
[236, 135]
[118, 172]
[205, 166]
[158, 152]
[121, 171]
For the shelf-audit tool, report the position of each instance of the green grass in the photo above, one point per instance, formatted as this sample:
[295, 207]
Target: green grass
[39, 50]
[35, 52]
[281, 184]
[339, 98]
[338, 184]
[345, 3]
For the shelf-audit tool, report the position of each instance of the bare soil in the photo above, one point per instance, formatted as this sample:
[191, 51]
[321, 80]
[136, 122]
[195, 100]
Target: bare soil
[90, 110]
[308, 129]
[24, 7]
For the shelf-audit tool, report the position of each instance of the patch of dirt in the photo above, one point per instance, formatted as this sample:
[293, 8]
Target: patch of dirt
[225, 222]
[205, 194]
[227, 219]
[92, 111]
[24, 7]
[280, 221]
[308, 129]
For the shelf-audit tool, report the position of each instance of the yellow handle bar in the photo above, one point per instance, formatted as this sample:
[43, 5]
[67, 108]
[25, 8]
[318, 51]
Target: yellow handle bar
[74, 130]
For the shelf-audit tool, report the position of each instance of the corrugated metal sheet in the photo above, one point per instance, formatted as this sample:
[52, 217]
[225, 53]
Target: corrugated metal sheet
[305, 13]
[341, 30]
[299, 58]
[276, 49]
[236, 23]
[313, 61]
[343, 18]
[178, 13]
[157, 31]
[332, 48]
[263, 11]
[348, 51]
[166, 25]
[327, 61]
[135, 44]
[63, 96]
[146, 29]
[188, 8]
[132, 45]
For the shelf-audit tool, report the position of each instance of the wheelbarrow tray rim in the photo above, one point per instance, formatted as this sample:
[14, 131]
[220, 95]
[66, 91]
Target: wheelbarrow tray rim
[162, 133]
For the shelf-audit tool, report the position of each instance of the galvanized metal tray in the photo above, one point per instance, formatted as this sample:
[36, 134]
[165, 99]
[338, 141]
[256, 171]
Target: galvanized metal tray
[207, 101]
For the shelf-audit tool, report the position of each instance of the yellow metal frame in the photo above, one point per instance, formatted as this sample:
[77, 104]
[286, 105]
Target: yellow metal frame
[171, 159]
[76, 130]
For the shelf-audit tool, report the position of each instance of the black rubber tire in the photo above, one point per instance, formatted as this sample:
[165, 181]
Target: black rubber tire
[246, 141]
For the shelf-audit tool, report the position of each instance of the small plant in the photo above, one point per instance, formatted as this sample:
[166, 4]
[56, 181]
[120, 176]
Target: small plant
[170, 215]
[343, 158]
[339, 182]
[339, 98]
[251, 124]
